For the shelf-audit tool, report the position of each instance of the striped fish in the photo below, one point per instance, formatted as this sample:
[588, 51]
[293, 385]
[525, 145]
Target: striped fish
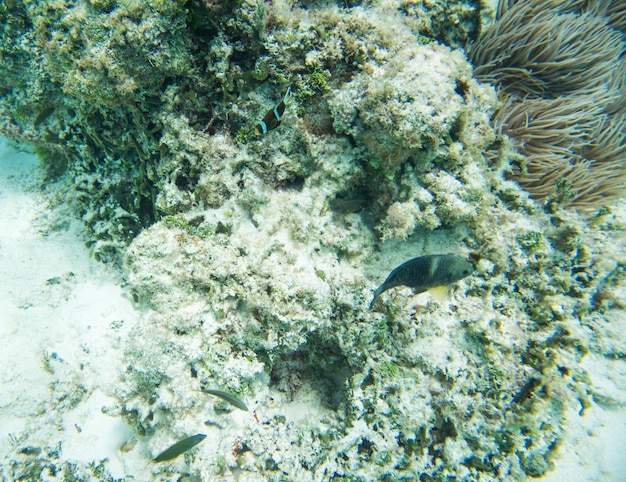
[273, 117]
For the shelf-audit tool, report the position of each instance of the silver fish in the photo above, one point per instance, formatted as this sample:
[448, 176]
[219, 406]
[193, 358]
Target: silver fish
[426, 272]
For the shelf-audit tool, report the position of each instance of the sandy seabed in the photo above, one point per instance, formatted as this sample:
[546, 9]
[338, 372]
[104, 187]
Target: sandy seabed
[59, 307]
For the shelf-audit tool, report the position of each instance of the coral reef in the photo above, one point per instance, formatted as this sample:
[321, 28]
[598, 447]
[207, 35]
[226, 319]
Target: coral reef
[96, 85]
[102, 88]
[81, 86]
[259, 255]
[263, 306]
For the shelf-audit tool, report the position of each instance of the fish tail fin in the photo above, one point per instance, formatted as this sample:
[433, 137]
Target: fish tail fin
[376, 295]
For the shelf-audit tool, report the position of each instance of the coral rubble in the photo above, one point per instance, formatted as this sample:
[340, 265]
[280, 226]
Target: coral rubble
[257, 282]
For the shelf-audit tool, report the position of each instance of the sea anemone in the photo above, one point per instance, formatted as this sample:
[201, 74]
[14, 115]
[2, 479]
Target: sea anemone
[542, 51]
[560, 67]
[567, 142]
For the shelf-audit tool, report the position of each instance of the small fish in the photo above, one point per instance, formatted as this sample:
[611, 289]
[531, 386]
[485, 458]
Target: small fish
[347, 206]
[273, 116]
[179, 448]
[426, 272]
[232, 399]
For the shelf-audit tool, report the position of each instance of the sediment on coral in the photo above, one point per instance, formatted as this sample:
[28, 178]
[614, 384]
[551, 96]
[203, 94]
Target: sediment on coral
[98, 88]
[258, 264]
[483, 381]
[561, 67]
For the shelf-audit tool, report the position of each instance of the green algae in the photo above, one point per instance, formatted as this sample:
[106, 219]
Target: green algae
[258, 288]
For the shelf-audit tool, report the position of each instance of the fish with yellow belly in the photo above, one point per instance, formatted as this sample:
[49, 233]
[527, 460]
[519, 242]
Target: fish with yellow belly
[425, 273]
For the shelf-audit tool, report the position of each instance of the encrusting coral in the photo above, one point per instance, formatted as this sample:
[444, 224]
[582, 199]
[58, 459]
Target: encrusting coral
[561, 64]
[258, 267]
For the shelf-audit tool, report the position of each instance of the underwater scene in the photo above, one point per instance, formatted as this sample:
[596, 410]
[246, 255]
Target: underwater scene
[313, 240]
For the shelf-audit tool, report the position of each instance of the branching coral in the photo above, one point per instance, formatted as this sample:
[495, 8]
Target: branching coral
[562, 65]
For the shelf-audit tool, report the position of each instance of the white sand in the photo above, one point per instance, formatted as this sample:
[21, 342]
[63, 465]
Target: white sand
[595, 449]
[58, 304]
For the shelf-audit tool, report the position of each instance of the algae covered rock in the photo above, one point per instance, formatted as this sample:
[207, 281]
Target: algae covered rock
[255, 257]
[254, 306]
[87, 79]
[414, 105]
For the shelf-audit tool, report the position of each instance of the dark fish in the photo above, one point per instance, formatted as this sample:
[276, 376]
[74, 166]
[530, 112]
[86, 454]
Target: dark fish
[232, 399]
[347, 206]
[426, 272]
[179, 448]
[273, 117]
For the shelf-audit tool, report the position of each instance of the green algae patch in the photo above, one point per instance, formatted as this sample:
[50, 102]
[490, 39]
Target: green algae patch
[254, 280]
